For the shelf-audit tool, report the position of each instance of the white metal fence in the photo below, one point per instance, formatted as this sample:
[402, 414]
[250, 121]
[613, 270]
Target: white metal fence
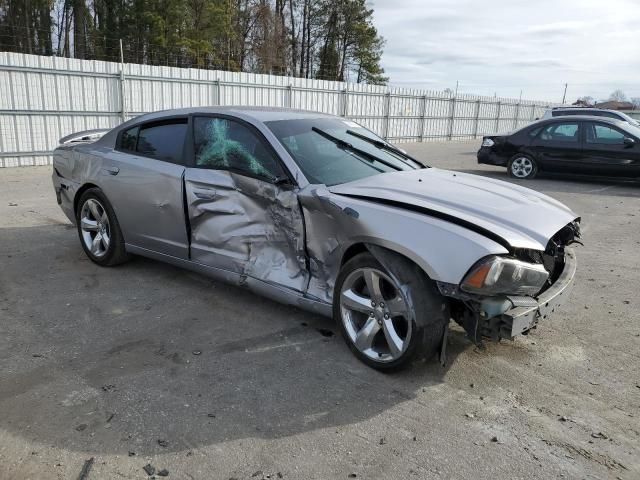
[45, 98]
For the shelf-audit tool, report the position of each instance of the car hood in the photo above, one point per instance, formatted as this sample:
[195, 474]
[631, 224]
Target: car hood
[521, 217]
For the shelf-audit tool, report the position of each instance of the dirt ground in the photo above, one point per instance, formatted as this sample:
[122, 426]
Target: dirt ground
[148, 364]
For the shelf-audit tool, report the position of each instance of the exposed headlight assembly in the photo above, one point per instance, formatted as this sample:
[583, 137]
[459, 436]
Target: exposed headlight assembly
[487, 142]
[500, 275]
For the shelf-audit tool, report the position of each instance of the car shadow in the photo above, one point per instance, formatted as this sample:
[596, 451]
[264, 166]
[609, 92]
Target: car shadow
[149, 358]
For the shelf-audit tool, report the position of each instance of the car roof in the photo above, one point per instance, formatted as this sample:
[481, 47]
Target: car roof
[580, 109]
[260, 114]
[570, 118]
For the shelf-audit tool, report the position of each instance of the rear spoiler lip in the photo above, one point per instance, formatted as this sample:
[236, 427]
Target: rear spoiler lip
[84, 136]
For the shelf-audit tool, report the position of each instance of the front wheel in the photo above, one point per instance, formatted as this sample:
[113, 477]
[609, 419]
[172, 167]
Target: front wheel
[522, 166]
[388, 318]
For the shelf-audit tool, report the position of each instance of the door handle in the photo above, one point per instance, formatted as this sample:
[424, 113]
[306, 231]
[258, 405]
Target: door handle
[205, 194]
[111, 170]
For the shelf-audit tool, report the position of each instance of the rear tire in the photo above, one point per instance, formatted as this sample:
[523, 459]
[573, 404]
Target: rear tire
[522, 167]
[401, 322]
[99, 230]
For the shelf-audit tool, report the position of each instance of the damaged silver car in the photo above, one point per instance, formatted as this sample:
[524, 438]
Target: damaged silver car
[316, 211]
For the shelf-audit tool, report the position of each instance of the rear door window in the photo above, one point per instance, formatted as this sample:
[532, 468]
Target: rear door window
[128, 140]
[560, 132]
[163, 140]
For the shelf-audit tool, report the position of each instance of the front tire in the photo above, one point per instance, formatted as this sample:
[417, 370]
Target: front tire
[522, 167]
[99, 230]
[388, 318]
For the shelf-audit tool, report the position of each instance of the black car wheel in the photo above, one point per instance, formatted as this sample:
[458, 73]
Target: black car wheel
[388, 318]
[99, 231]
[522, 166]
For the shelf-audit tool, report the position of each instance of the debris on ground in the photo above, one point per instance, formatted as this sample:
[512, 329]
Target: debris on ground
[81, 427]
[352, 475]
[86, 468]
[11, 204]
[132, 454]
[149, 469]
[599, 435]
[563, 419]
[382, 441]
[108, 388]
[197, 352]
[163, 473]
[163, 443]
[470, 415]
[110, 417]
[325, 332]
[494, 439]
[211, 415]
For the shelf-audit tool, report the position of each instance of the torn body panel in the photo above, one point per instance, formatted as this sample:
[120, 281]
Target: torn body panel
[336, 222]
[246, 226]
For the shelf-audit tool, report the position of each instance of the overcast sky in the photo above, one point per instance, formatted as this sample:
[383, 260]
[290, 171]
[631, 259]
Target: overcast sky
[503, 46]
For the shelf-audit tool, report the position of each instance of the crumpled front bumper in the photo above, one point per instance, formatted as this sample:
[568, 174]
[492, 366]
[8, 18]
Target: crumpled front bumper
[526, 313]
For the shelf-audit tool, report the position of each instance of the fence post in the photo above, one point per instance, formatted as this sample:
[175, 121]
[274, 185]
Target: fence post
[345, 101]
[515, 120]
[123, 110]
[476, 120]
[423, 117]
[498, 117]
[452, 113]
[218, 93]
[387, 114]
[289, 96]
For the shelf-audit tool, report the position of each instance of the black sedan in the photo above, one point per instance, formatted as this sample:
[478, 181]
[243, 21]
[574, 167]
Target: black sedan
[579, 144]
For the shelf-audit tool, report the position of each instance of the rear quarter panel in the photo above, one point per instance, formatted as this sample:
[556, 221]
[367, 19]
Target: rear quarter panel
[73, 167]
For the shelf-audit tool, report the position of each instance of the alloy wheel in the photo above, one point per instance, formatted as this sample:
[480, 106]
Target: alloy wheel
[521, 167]
[96, 230]
[375, 314]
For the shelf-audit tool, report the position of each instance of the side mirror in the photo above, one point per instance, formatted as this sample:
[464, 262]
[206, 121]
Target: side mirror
[629, 142]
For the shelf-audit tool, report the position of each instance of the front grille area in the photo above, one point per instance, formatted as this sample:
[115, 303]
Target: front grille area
[553, 256]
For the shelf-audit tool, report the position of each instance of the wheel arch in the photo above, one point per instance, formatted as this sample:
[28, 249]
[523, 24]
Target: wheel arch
[79, 193]
[375, 248]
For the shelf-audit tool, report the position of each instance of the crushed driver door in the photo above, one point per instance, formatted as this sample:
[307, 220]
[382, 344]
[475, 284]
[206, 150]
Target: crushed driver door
[243, 218]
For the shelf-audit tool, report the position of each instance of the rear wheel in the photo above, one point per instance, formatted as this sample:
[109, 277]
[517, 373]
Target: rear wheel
[99, 230]
[388, 318]
[522, 166]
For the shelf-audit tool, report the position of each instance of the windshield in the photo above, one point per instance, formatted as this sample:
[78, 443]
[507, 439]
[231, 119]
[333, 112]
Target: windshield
[327, 153]
[633, 130]
[629, 119]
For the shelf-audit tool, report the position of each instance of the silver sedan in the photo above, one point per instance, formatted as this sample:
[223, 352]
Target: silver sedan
[316, 211]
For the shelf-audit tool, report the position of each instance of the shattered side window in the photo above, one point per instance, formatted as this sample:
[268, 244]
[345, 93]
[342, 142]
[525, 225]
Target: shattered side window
[228, 145]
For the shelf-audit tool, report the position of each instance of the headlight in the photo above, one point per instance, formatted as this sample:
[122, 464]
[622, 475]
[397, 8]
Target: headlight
[487, 142]
[495, 275]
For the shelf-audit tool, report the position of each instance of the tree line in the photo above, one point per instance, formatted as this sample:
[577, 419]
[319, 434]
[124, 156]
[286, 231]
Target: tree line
[323, 39]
